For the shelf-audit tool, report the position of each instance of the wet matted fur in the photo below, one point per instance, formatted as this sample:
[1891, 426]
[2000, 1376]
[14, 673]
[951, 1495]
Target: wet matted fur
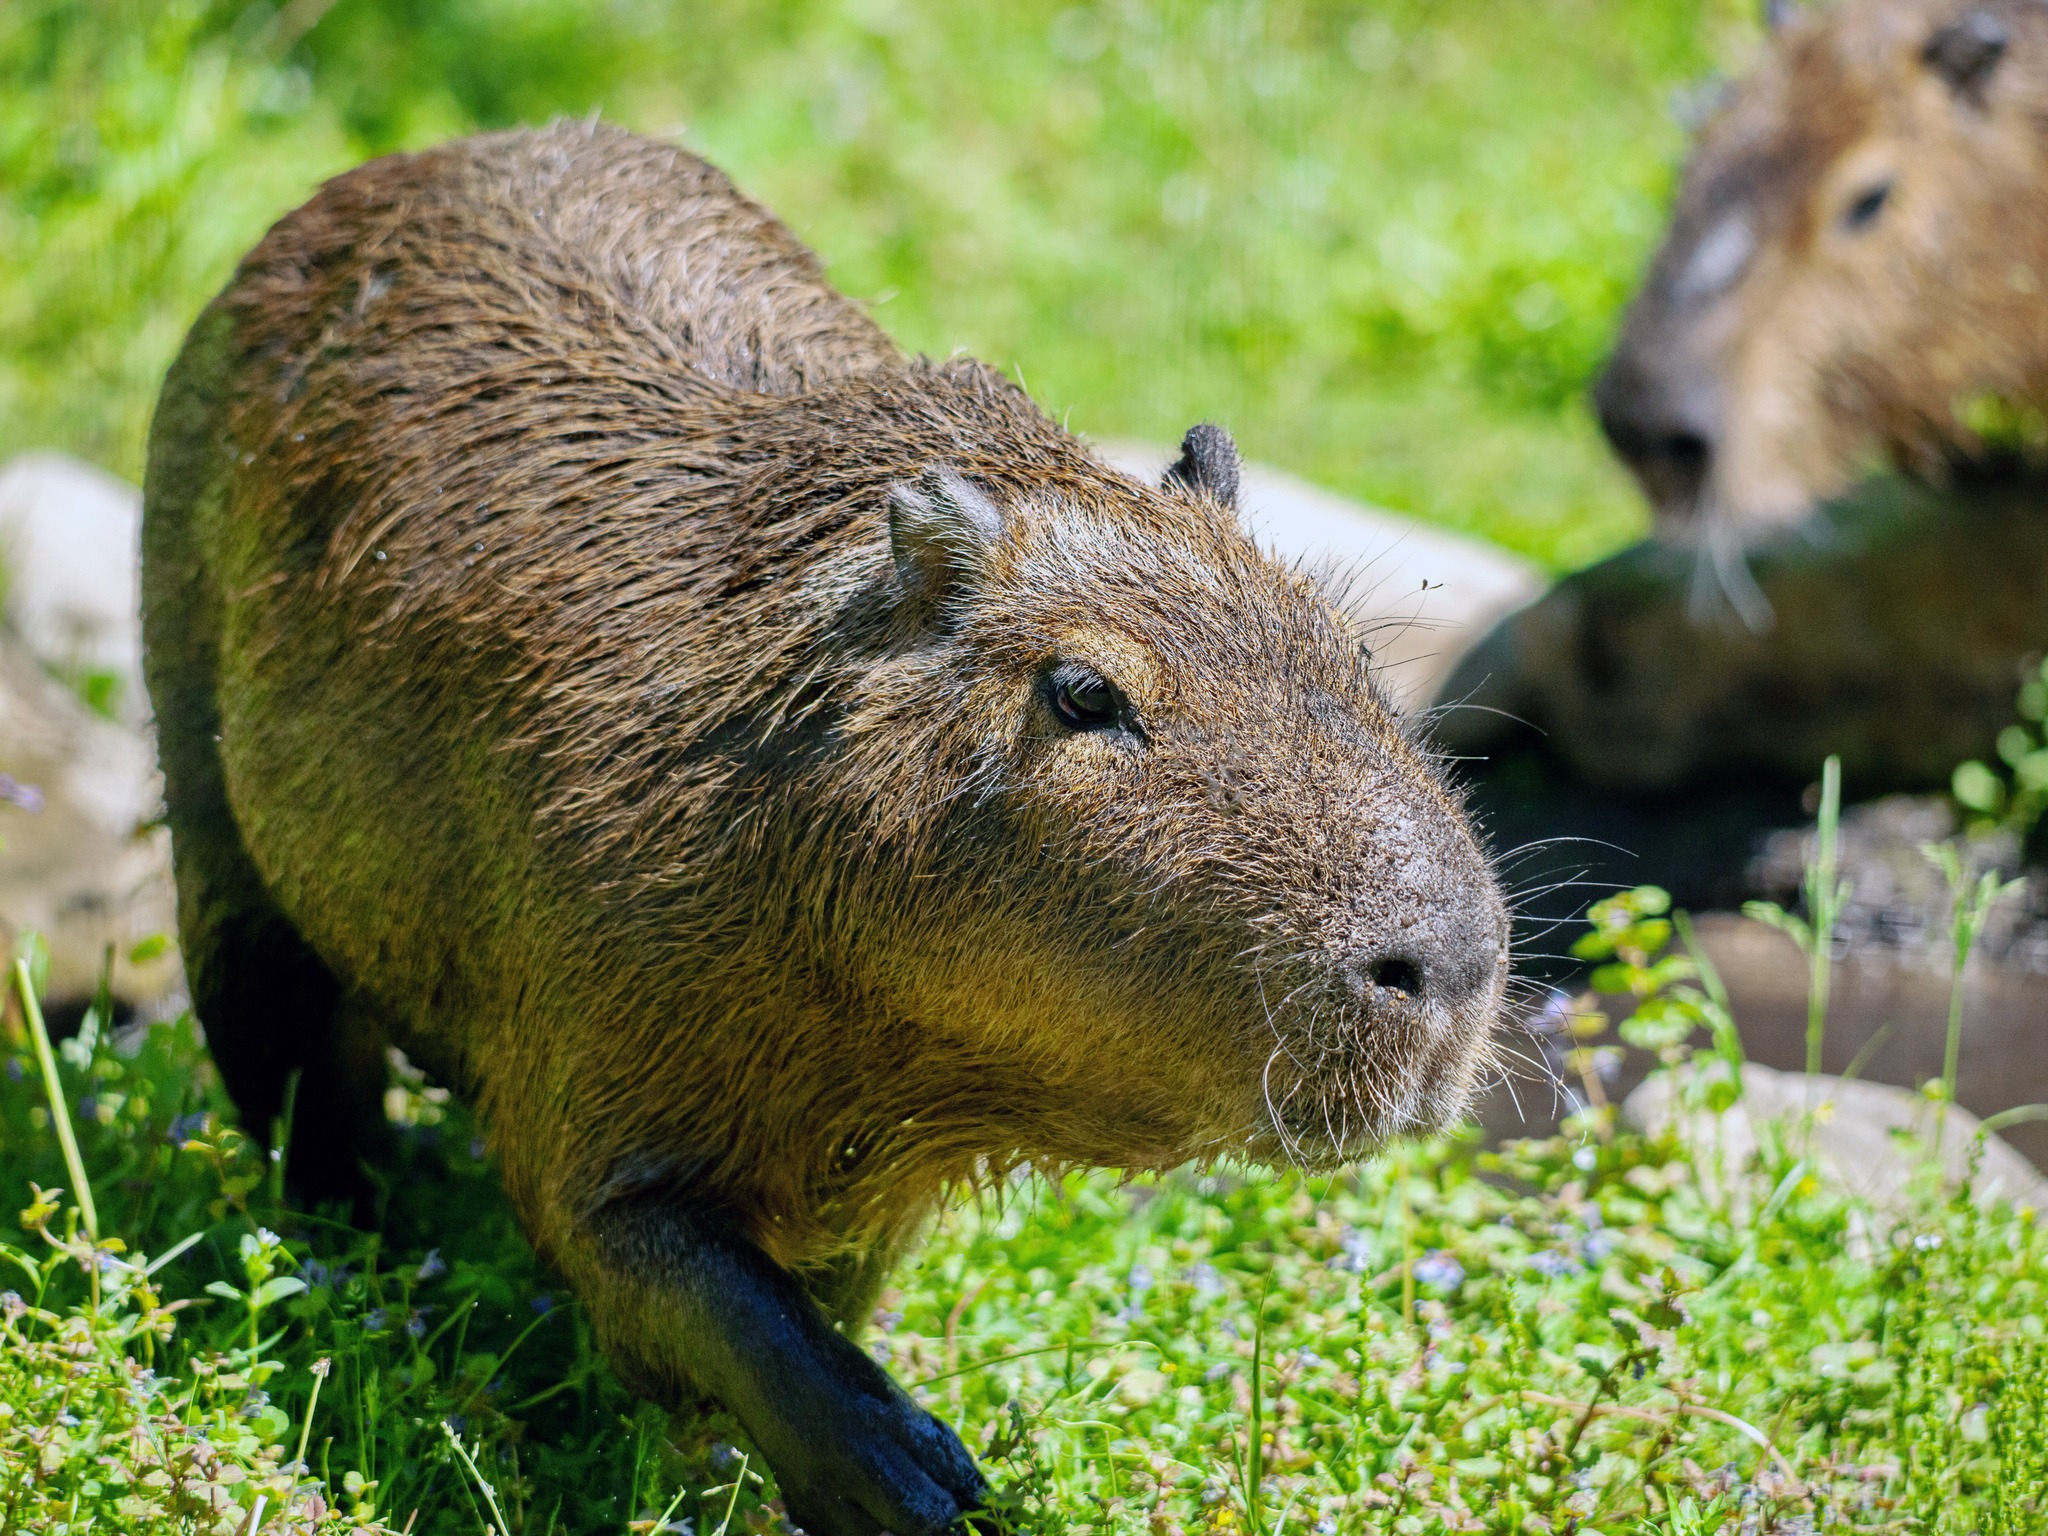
[780, 779]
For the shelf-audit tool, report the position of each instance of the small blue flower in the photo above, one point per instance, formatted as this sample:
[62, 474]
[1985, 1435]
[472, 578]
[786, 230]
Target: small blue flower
[26, 797]
[376, 1320]
[724, 1457]
[1438, 1268]
[1358, 1251]
[1141, 1282]
[432, 1267]
[15, 1069]
[416, 1325]
[187, 1128]
[1207, 1282]
[1598, 1244]
[543, 1303]
[1554, 1263]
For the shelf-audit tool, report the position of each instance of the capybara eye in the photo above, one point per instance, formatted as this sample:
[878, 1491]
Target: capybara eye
[1083, 700]
[1868, 205]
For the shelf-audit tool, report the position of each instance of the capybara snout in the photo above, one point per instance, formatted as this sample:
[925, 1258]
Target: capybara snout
[781, 780]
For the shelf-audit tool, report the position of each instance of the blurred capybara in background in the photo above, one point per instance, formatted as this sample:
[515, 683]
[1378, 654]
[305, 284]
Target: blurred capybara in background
[781, 779]
[1859, 253]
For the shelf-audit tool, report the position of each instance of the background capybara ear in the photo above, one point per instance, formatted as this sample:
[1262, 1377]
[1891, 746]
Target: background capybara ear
[1966, 51]
[940, 530]
[1208, 463]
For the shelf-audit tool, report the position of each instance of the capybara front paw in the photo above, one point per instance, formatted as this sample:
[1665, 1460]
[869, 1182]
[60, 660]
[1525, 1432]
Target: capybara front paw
[885, 1466]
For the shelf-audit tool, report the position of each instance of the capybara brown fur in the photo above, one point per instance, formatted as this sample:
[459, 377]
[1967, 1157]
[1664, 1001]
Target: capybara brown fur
[781, 780]
[1858, 257]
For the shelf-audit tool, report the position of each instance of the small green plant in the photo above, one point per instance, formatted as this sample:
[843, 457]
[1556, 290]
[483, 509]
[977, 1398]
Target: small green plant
[1672, 995]
[1826, 897]
[1970, 903]
[2012, 796]
[91, 1437]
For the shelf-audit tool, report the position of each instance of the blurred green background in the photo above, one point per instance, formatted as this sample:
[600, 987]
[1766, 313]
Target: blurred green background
[1385, 241]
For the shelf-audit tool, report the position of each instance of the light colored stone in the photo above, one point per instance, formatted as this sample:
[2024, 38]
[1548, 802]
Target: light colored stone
[1424, 595]
[87, 869]
[82, 862]
[1867, 1138]
[69, 567]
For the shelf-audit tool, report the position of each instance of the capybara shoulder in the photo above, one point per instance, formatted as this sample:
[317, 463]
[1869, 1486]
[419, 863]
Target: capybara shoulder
[780, 779]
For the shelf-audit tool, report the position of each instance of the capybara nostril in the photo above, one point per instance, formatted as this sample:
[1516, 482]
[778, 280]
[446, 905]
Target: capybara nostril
[1396, 973]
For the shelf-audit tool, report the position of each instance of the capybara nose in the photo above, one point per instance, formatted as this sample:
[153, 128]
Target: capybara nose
[1450, 958]
[1664, 432]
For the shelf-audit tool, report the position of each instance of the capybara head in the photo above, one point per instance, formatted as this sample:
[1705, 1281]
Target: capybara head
[1860, 249]
[1141, 823]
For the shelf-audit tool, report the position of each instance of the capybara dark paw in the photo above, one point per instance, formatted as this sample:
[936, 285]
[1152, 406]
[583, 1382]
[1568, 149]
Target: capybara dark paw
[890, 1467]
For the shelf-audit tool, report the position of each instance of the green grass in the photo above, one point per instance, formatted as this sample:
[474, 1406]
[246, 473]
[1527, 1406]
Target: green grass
[1386, 243]
[1565, 1335]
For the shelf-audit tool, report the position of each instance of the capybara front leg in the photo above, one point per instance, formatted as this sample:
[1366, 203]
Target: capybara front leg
[686, 1302]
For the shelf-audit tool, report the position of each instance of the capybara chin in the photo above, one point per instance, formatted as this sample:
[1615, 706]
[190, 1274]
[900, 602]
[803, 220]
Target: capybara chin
[1858, 255]
[780, 780]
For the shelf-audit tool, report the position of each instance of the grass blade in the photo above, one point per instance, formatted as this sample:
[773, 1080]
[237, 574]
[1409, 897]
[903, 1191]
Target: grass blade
[60, 1111]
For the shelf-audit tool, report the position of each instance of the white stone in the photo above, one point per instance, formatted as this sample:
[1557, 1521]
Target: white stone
[1425, 596]
[1867, 1138]
[70, 559]
[88, 868]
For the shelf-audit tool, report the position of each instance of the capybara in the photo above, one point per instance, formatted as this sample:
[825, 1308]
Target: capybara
[1859, 253]
[781, 780]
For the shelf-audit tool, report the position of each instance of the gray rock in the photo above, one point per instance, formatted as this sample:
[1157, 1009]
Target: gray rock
[69, 567]
[1867, 1138]
[81, 861]
[1424, 595]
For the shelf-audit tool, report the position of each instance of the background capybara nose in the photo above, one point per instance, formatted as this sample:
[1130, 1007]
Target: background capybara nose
[1666, 433]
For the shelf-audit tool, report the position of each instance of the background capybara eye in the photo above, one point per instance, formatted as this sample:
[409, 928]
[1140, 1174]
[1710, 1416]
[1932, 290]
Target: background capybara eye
[1867, 205]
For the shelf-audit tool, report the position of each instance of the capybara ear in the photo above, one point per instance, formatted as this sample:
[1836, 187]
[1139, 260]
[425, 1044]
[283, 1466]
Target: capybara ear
[1208, 463]
[940, 530]
[1966, 51]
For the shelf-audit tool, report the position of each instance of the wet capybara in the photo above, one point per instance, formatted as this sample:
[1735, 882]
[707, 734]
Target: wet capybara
[781, 780]
[1859, 254]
